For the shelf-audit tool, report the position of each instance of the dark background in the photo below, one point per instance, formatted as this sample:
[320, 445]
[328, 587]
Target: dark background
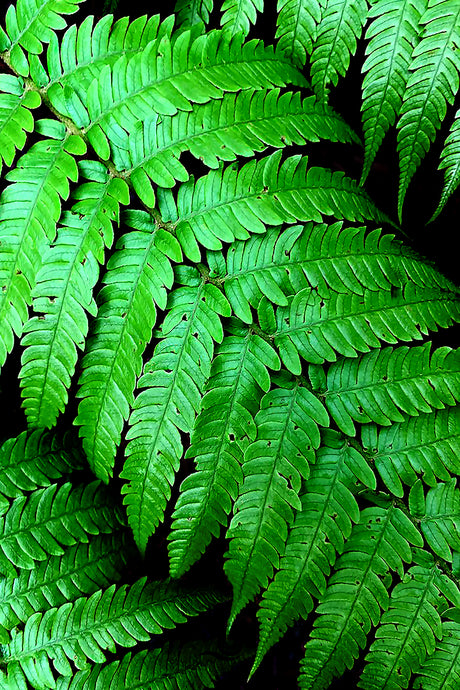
[437, 241]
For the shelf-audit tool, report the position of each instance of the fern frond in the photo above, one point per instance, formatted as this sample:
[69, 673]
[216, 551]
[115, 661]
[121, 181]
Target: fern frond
[296, 24]
[30, 208]
[15, 117]
[410, 627]
[41, 524]
[393, 35]
[173, 381]
[192, 12]
[378, 386]
[84, 630]
[239, 124]
[438, 513]
[238, 15]
[321, 526]
[450, 163]
[281, 262]
[173, 74]
[427, 445]
[339, 30]
[274, 466]
[227, 203]
[432, 84]
[188, 666]
[316, 328]
[82, 569]
[223, 429]
[63, 293]
[29, 24]
[356, 593]
[36, 459]
[137, 277]
[84, 51]
[441, 670]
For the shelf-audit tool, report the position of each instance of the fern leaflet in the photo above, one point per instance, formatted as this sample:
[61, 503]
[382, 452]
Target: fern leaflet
[296, 28]
[238, 15]
[438, 514]
[450, 163]
[15, 116]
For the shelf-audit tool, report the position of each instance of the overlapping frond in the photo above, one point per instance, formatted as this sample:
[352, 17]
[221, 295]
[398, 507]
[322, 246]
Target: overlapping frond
[427, 445]
[188, 666]
[340, 28]
[230, 203]
[238, 15]
[137, 278]
[379, 386]
[63, 294]
[357, 593]
[439, 515]
[30, 208]
[15, 117]
[317, 328]
[321, 526]
[393, 35]
[450, 163]
[171, 74]
[82, 569]
[172, 383]
[281, 262]
[41, 524]
[433, 82]
[84, 630]
[296, 28]
[441, 670]
[410, 627]
[273, 469]
[192, 12]
[36, 459]
[223, 429]
[84, 51]
[239, 124]
[29, 24]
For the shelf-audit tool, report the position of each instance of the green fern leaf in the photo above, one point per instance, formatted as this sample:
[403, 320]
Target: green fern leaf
[136, 279]
[15, 116]
[38, 526]
[281, 262]
[409, 628]
[82, 569]
[273, 468]
[317, 328]
[29, 24]
[227, 203]
[223, 429]
[427, 445]
[392, 35]
[356, 593]
[36, 459]
[441, 670]
[240, 124]
[84, 51]
[192, 12]
[450, 163]
[201, 69]
[376, 387]
[296, 28]
[340, 27]
[432, 83]
[172, 381]
[238, 15]
[29, 210]
[188, 666]
[438, 513]
[320, 529]
[52, 337]
[84, 630]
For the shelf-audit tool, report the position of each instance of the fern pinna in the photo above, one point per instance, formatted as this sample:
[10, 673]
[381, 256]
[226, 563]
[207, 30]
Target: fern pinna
[240, 337]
